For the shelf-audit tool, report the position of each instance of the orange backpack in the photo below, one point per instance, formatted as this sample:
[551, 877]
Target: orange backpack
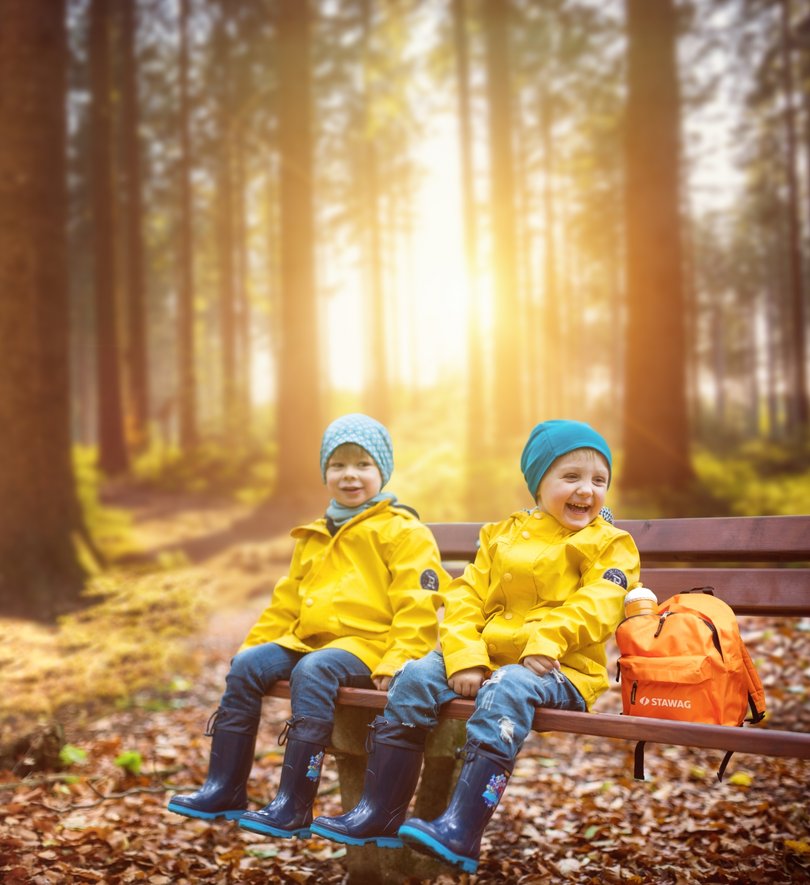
[688, 662]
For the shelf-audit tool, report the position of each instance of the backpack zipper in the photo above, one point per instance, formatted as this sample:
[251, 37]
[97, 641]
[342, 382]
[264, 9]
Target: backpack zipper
[661, 622]
[708, 623]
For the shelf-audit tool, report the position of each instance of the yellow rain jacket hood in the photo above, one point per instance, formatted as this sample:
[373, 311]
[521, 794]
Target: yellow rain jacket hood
[537, 588]
[370, 590]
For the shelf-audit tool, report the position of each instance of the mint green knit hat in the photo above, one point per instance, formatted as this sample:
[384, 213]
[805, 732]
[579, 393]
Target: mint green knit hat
[364, 432]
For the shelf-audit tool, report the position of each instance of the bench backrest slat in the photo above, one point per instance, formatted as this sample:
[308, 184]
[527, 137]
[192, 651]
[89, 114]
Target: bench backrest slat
[736, 538]
[671, 549]
[748, 591]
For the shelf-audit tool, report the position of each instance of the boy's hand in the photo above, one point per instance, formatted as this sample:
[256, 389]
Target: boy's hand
[467, 682]
[381, 683]
[540, 664]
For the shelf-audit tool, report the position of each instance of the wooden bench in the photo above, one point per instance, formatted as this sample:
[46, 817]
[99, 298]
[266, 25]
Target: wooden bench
[759, 565]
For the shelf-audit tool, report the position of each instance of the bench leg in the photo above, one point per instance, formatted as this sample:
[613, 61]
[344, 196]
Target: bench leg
[369, 865]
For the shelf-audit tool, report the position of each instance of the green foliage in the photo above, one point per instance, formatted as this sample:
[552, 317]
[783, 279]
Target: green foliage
[71, 755]
[133, 637]
[131, 761]
[758, 479]
[109, 527]
[247, 473]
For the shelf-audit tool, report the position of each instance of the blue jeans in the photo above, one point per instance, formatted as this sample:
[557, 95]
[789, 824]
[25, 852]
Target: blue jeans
[504, 706]
[314, 681]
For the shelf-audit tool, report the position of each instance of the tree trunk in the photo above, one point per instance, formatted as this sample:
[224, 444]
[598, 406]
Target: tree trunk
[244, 348]
[797, 411]
[40, 575]
[477, 474]
[135, 278]
[377, 395]
[718, 363]
[113, 458]
[549, 331]
[186, 374]
[509, 378]
[225, 237]
[656, 430]
[299, 413]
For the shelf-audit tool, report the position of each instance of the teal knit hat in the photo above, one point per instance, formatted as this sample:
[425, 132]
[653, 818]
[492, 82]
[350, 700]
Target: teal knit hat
[551, 439]
[364, 432]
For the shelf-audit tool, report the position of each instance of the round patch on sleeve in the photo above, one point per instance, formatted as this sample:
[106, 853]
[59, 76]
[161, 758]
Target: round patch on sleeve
[617, 576]
[429, 579]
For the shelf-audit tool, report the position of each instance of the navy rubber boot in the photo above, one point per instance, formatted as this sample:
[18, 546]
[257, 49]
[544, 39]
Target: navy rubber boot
[290, 813]
[394, 763]
[455, 836]
[224, 793]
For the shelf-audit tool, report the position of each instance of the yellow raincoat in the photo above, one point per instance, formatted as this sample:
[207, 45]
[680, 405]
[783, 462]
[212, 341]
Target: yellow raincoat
[369, 590]
[537, 588]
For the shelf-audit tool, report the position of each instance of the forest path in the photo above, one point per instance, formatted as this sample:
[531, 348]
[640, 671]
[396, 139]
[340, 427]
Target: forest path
[245, 547]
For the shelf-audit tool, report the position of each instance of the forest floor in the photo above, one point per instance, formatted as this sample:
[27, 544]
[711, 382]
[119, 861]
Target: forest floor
[571, 813]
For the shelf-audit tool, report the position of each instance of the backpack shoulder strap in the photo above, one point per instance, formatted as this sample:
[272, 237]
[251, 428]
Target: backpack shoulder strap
[638, 762]
[756, 693]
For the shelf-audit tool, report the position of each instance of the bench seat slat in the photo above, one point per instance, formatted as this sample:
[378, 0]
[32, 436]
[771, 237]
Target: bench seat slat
[762, 741]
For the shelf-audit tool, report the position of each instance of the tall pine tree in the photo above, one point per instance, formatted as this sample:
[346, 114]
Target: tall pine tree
[39, 571]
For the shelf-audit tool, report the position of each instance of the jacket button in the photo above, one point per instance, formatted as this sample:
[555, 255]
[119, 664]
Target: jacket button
[492, 647]
[310, 602]
[507, 576]
[508, 616]
[537, 514]
[526, 534]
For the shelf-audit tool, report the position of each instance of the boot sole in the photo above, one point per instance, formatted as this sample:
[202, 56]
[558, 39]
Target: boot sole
[425, 844]
[267, 830]
[345, 839]
[185, 811]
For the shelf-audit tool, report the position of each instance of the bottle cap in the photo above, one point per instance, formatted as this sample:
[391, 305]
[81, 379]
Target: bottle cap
[640, 593]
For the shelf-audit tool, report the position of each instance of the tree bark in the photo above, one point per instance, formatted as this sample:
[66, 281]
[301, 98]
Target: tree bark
[509, 376]
[299, 412]
[137, 351]
[225, 233]
[377, 395]
[244, 344]
[797, 405]
[549, 332]
[40, 575]
[186, 373]
[656, 428]
[113, 456]
[477, 475]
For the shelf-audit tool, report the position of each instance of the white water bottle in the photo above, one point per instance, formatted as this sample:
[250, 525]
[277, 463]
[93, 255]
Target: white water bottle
[640, 601]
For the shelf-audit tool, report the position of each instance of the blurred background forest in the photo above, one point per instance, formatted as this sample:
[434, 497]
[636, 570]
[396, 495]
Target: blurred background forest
[223, 223]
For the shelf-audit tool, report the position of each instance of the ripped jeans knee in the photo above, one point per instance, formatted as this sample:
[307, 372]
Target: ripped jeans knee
[506, 704]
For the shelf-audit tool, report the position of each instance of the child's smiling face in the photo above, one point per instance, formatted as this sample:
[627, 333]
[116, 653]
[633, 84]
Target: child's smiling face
[352, 476]
[574, 487]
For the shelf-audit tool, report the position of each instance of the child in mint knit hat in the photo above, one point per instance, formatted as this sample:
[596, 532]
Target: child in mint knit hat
[524, 627]
[357, 603]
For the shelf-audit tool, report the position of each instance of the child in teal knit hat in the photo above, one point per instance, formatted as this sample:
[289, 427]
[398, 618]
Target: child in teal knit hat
[357, 603]
[524, 627]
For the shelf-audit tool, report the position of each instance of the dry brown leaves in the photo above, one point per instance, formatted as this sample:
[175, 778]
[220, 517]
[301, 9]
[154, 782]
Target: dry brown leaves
[572, 812]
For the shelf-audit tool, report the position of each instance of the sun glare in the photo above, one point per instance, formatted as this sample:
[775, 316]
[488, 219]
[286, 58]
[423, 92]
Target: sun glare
[426, 303]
